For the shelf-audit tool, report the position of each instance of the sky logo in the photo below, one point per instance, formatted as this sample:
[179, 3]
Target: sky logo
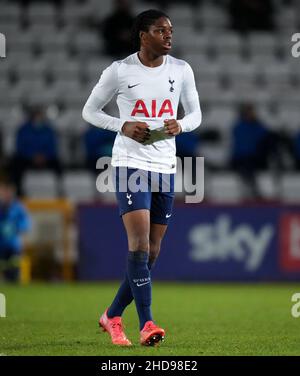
[221, 241]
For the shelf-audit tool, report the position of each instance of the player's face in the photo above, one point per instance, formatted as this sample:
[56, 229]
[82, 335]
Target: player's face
[159, 37]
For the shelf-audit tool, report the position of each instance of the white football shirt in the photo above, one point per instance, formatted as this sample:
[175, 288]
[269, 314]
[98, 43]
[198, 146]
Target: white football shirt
[149, 95]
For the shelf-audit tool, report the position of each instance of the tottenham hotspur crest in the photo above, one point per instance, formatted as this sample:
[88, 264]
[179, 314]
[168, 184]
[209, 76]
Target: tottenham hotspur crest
[128, 196]
[171, 82]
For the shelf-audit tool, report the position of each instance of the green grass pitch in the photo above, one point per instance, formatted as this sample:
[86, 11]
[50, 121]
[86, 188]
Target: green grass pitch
[199, 319]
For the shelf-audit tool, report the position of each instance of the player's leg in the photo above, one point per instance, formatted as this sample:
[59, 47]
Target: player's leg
[134, 209]
[160, 213]
[132, 201]
[137, 283]
[157, 232]
[10, 265]
[12, 270]
[137, 224]
[124, 295]
[138, 204]
[150, 333]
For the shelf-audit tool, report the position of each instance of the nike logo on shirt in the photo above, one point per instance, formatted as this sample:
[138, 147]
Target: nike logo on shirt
[168, 215]
[142, 284]
[131, 86]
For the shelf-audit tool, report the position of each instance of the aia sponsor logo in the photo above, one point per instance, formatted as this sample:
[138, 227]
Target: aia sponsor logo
[155, 110]
[290, 242]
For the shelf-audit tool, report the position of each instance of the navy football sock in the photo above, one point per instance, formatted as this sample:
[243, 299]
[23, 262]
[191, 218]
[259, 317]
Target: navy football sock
[123, 297]
[140, 283]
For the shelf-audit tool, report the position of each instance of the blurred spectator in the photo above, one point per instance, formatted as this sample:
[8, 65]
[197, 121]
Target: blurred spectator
[251, 15]
[36, 146]
[117, 30]
[187, 144]
[97, 143]
[14, 221]
[252, 144]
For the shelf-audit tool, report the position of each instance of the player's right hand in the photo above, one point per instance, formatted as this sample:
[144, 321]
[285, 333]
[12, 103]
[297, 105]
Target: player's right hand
[137, 130]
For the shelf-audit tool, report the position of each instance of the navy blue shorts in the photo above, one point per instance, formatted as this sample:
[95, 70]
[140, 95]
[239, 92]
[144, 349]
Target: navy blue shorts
[140, 189]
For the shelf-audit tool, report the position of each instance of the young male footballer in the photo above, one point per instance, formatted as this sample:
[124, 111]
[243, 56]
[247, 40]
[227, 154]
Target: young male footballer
[149, 85]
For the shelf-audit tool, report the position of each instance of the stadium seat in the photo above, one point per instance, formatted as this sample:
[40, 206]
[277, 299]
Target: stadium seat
[29, 90]
[204, 67]
[39, 28]
[270, 119]
[28, 69]
[263, 59]
[4, 83]
[276, 72]
[67, 70]
[68, 92]
[209, 91]
[286, 19]
[180, 14]
[291, 98]
[57, 41]
[225, 188]
[53, 57]
[23, 41]
[220, 118]
[185, 39]
[79, 186]
[75, 13]
[41, 13]
[289, 118]
[289, 188]
[211, 17]
[237, 69]
[100, 10]
[266, 186]
[86, 42]
[216, 154]
[70, 122]
[10, 29]
[262, 43]
[10, 12]
[40, 185]
[11, 118]
[94, 68]
[6, 68]
[228, 43]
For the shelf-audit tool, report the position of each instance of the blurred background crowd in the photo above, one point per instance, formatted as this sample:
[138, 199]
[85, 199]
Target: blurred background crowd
[247, 79]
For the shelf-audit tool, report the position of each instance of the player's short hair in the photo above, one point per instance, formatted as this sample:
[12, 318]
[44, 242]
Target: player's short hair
[142, 23]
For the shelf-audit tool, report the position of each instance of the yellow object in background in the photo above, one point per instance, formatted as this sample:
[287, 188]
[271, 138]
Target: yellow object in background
[25, 270]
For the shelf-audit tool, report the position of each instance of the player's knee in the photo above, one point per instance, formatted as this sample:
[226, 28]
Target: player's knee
[139, 243]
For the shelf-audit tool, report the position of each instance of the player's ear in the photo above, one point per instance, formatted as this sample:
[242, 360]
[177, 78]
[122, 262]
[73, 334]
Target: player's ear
[142, 36]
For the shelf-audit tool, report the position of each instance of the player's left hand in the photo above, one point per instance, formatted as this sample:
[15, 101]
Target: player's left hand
[172, 127]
